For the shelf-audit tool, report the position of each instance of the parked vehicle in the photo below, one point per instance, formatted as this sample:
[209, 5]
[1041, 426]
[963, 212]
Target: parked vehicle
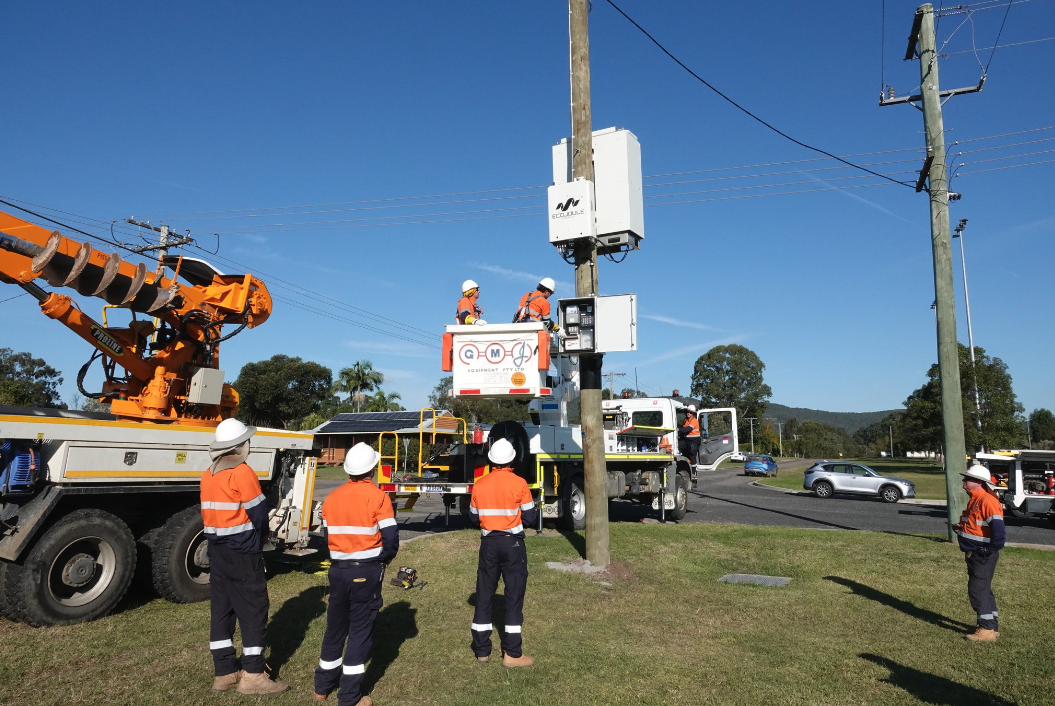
[1025, 480]
[760, 465]
[827, 478]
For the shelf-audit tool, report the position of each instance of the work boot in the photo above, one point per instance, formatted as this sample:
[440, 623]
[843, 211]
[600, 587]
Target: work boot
[260, 683]
[365, 701]
[319, 697]
[982, 635]
[521, 661]
[483, 660]
[220, 684]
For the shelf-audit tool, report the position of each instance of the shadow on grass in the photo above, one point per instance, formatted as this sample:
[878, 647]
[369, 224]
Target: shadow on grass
[910, 609]
[290, 624]
[395, 625]
[932, 689]
[577, 541]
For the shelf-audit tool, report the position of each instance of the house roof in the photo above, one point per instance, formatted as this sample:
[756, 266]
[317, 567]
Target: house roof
[377, 422]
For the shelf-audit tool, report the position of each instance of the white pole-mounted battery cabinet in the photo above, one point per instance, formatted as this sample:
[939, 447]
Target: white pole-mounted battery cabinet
[571, 212]
[598, 324]
[618, 199]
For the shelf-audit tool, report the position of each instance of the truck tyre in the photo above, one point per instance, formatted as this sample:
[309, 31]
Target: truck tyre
[7, 607]
[180, 564]
[681, 498]
[573, 505]
[78, 570]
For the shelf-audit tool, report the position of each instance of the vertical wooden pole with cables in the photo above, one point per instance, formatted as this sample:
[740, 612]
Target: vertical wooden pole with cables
[944, 295]
[596, 480]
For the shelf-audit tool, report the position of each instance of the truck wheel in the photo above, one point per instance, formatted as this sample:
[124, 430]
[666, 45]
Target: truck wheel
[681, 498]
[180, 559]
[6, 607]
[78, 570]
[573, 505]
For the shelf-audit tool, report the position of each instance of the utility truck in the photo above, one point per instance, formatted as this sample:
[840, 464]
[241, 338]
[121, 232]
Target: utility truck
[1025, 480]
[88, 500]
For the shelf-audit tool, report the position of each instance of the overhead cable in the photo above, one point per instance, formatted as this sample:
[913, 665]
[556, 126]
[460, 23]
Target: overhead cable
[745, 110]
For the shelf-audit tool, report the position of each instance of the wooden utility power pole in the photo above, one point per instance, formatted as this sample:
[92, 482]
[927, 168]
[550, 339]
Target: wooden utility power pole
[611, 382]
[941, 245]
[586, 286]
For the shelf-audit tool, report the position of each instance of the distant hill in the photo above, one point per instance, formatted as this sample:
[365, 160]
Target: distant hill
[850, 421]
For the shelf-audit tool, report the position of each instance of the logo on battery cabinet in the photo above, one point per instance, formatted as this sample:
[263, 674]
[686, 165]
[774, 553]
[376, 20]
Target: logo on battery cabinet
[107, 341]
[567, 204]
[564, 209]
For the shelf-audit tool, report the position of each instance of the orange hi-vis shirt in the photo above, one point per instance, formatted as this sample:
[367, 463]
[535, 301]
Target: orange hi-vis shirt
[467, 311]
[225, 497]
[982, 522]
[354, 515]
[691, 421]
[498, 500]
[533, 307]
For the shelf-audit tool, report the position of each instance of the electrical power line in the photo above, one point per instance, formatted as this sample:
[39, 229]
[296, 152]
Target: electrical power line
[745, 110]
[22, 294]
[999, 46]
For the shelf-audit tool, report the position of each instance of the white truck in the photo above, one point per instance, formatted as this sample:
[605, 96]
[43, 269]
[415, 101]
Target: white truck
[643, 465]
[1025, 480]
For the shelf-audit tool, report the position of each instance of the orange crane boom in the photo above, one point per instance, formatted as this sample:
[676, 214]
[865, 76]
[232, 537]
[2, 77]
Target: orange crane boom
[166, 359]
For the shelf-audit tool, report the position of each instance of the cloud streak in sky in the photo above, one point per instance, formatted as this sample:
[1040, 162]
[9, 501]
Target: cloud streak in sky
[520, 276]
[679, 322]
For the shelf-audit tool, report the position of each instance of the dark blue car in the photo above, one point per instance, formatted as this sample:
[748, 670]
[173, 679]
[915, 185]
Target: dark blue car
[760, 465]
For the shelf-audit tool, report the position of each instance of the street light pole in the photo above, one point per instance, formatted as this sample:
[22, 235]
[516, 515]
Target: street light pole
[958, 234]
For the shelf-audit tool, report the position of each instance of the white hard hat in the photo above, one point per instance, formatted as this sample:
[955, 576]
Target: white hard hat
[360, 459]
[979, 473]
[231, 433]
[469, 285]
[548, 283]
[692, 408]
[501, 453]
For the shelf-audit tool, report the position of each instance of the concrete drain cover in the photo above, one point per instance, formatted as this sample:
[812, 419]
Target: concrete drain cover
[756, 579]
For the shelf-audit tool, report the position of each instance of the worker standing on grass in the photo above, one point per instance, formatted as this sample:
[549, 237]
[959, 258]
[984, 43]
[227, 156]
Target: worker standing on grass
[689, 435]
[981, 536]
[235, 517]
[469, 311]
[534, 305]
[501, 503]
[363, 538]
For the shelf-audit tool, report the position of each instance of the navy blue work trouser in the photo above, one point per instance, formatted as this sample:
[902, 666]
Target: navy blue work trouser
[980, 571]
[237, 590]
[355, 599]
[506, 556]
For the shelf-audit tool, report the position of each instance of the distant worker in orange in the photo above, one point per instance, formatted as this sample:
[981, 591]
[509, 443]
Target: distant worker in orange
[501, 505]
[689, 435]
[363, 538]
[468, 310]
[534, 305]
[235, 517]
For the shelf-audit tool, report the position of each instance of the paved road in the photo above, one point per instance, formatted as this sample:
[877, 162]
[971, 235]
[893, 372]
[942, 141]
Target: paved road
[728, 496]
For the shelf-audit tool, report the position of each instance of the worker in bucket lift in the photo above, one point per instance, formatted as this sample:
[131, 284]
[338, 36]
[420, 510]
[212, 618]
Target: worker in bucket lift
[363, 538]
[689, 435]
[501, 505]
[534, 305]
[235, 517]
[468, 310]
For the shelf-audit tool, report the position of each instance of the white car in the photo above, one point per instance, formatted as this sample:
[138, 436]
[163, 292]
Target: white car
[829, 477]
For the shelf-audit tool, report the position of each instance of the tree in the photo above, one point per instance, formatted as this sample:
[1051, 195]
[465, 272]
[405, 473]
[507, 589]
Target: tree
[731, 376]
[1000, 427]
[381, 402]
[281, 390]
[358, 379]
[1042, 427]
[476, 410]
[26, 381]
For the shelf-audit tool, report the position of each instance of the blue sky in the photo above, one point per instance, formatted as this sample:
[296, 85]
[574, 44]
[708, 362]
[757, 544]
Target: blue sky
[320, 115]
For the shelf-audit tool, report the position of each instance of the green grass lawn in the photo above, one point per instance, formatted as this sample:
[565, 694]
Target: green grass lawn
[928, 477]
[331, 472]
[869, 618]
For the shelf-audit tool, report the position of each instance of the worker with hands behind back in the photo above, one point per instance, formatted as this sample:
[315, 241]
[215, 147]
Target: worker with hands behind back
[534, 305]
[469, 311]
[981, 536]
[363, 538]
[501, 504]
[235, 517]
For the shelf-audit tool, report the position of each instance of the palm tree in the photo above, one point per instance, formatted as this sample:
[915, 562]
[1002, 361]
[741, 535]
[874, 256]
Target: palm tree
[381, 402]
[356, 380]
